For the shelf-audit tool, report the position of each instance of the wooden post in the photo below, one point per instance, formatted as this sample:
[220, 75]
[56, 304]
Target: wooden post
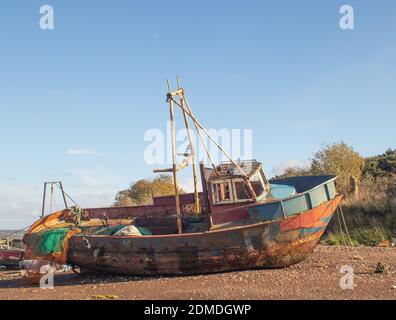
[196, 195]
[206, 195]
[177, 200]
[354, 186]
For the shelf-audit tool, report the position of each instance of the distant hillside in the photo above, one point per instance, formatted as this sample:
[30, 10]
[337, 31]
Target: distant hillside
[5, 233]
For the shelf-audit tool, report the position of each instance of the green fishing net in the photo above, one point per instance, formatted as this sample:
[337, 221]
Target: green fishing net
[48, 241]
[51, 240]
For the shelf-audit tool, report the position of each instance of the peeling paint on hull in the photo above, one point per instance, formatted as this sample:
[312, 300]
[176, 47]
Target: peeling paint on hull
[270, 244]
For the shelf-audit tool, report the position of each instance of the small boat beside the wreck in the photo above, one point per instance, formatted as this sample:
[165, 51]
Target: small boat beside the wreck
[240, 220]
[11, 253]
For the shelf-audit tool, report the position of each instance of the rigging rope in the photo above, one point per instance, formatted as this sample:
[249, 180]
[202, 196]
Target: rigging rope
[340, 227]
[200, 136]
[341, 222]
[207, 134]
[70, 198]
[345, 225]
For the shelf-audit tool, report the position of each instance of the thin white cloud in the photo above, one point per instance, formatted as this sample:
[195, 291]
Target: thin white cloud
[83, 152]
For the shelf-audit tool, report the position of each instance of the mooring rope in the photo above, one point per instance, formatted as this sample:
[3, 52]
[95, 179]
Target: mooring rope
[70, 198]
[340, 212]
[340, 227]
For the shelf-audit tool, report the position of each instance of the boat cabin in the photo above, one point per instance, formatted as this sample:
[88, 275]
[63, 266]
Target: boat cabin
[235, 184]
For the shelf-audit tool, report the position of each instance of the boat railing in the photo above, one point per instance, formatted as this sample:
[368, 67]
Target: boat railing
[283, 208]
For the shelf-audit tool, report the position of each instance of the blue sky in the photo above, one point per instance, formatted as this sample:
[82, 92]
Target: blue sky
[97, 81]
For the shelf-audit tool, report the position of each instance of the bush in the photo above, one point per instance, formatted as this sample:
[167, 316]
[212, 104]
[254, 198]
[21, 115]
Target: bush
[341, 160]
[335, 239]
[143, 191]
[369, 236]
[338, 159]
[381, 165]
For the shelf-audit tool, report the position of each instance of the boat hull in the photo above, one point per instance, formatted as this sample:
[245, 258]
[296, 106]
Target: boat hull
[10, 258]
[269, 244]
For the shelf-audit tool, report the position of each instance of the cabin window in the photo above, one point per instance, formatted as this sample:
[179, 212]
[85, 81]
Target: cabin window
[257, 184]
[241, 191]
[222, 192]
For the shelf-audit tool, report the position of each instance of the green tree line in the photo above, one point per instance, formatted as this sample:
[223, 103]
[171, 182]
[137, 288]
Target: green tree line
[142, 191]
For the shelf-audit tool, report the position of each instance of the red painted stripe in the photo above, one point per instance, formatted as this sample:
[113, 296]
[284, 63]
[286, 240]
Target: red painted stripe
[311, 218]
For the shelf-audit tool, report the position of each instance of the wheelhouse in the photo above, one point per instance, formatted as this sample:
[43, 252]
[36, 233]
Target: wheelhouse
[229, 184]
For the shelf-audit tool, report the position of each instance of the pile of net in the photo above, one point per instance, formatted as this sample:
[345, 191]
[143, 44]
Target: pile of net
[48, 238]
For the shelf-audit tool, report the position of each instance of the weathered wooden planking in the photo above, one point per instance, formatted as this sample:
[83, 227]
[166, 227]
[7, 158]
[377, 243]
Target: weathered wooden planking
[264, 245]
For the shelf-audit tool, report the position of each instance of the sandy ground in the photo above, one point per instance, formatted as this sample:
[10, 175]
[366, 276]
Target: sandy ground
[318, 277]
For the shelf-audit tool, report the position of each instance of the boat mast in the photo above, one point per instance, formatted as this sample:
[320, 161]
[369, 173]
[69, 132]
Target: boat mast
[174, 167]
[192, 149]
[189, 155]
[182, 102]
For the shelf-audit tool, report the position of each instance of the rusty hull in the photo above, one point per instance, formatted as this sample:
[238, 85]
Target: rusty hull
[268, 244]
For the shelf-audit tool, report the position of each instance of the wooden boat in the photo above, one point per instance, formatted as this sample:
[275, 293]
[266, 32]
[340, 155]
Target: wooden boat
[240, 220]
[10, 255]
[272, 234]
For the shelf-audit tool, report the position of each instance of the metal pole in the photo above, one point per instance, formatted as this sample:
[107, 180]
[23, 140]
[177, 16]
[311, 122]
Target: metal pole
[44, 195]
[63, 195]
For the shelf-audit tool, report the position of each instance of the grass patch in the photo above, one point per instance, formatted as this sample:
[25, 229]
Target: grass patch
[370, 217]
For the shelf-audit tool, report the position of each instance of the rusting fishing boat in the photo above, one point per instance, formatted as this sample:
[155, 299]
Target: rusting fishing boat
[240, 220]
[276, 233]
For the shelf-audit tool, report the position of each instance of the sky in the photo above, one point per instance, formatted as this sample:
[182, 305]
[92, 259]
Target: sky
[76, 101]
